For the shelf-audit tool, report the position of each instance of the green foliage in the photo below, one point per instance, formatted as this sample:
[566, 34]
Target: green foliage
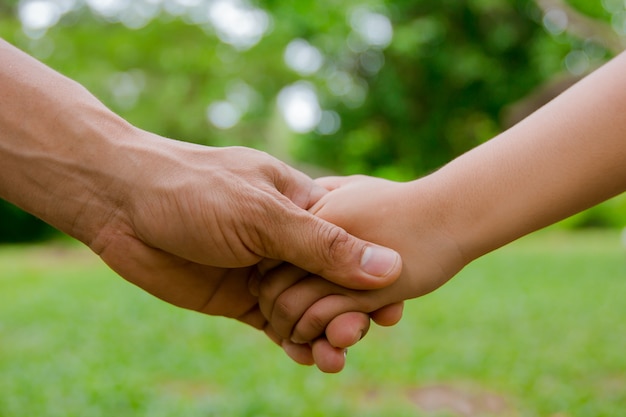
[596, 9]
[18, 226]
[449, 74]
[538, 325]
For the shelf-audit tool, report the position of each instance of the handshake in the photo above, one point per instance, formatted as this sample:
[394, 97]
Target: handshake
[197, 226]
[236, 233]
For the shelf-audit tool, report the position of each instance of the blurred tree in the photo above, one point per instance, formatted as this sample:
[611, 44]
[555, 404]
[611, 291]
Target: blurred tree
[388, 88]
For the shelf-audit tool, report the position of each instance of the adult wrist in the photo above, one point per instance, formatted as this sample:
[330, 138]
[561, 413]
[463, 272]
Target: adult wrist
[75, 176]
[105, 169]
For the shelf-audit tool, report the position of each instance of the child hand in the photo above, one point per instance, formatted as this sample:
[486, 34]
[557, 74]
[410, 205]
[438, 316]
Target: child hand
[300, 306]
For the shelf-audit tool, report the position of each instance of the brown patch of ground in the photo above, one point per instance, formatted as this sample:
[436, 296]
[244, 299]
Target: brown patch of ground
[188, 389]
[459, 401]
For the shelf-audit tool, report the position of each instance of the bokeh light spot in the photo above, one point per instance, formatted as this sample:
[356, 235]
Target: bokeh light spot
[329, 124]
[577, 62]
[223, 114]
[300, 107]
[38, 16]
[303, 57]
[372, 61]
[237, 23]
[374, 28]
[555, 21]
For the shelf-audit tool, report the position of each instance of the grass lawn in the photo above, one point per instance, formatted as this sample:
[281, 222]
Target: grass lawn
[535, 329]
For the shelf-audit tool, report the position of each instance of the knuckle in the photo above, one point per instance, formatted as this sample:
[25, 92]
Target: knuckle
[312, 325]
[338, 243]
[266, 289]
[284, 317]
[284, 310]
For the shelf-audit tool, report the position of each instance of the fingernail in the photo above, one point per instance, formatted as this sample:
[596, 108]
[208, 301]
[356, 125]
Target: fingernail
[358, 338]
[345, 353]
[378, 261]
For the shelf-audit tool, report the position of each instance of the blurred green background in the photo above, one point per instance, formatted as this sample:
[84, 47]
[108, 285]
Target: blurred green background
[386, 88]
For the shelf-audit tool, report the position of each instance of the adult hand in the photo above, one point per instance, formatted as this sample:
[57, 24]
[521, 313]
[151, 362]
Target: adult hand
[179, 220]
[225, 208]
[197, 217]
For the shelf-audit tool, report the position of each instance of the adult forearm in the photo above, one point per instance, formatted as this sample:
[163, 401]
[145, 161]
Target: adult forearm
[58, 145]
[566, 157]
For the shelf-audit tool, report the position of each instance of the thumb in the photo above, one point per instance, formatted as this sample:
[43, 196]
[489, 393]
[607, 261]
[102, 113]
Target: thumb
[324, 249]
[333, 182]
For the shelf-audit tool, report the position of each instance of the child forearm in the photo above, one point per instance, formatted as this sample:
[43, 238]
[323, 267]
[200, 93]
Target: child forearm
[566, 157]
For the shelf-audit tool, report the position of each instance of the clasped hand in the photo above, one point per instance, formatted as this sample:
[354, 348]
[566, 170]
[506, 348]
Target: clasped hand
[308, 312]
[203, 218]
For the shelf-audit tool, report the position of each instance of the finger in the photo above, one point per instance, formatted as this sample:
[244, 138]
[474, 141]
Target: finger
[299, 353]
[267, 264]
[254, 318]
[388, 315]
[275, 283]
[333, 182]
[300, 238]
[328, 358]
[347, 329]
[313, 322]
[297, 186]
[329, 251]
[289, 306]
[256, 276]
[269, 332]
[254, 282]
